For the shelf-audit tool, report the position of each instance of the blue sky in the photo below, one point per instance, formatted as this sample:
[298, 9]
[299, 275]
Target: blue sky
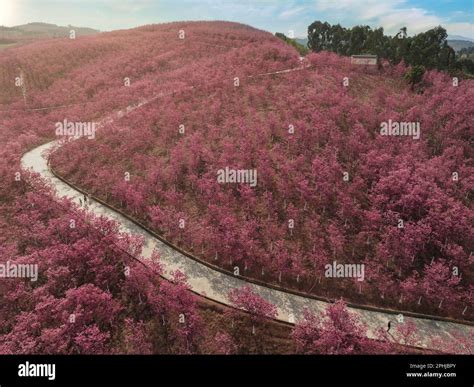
[457, 16]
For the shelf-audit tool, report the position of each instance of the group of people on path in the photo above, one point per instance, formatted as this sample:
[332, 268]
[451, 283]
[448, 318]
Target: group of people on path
[86, 200]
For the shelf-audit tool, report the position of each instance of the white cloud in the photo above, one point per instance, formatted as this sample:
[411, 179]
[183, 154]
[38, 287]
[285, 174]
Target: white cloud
[464, 29]
[291, 12]
[415, 19]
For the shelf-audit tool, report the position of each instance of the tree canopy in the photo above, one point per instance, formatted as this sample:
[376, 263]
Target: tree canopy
[429, 49]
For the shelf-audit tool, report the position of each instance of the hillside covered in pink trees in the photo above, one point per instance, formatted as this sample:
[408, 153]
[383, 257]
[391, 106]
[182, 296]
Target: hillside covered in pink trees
[329, 187]
[399, 205]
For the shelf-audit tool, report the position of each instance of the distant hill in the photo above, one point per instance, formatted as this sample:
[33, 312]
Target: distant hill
[458, 45]
[302, 41]
[459, 37]
[34, 31]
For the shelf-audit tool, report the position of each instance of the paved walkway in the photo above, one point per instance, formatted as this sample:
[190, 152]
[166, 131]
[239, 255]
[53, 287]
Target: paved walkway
[215, 284]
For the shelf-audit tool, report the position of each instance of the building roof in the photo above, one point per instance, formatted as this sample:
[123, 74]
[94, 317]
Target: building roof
[364, 56]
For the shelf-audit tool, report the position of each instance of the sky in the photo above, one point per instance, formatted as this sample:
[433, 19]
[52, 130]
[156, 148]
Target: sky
[457, 16]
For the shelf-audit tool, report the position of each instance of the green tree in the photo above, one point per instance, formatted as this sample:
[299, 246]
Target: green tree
[415, 75]
[319, 36]
[429, 49]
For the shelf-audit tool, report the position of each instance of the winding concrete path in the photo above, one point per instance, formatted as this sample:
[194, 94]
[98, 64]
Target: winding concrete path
[216, 285]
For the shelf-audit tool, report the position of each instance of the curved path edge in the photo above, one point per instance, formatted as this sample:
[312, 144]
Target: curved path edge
[214, 283]
[250, 279]
[206, 280]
